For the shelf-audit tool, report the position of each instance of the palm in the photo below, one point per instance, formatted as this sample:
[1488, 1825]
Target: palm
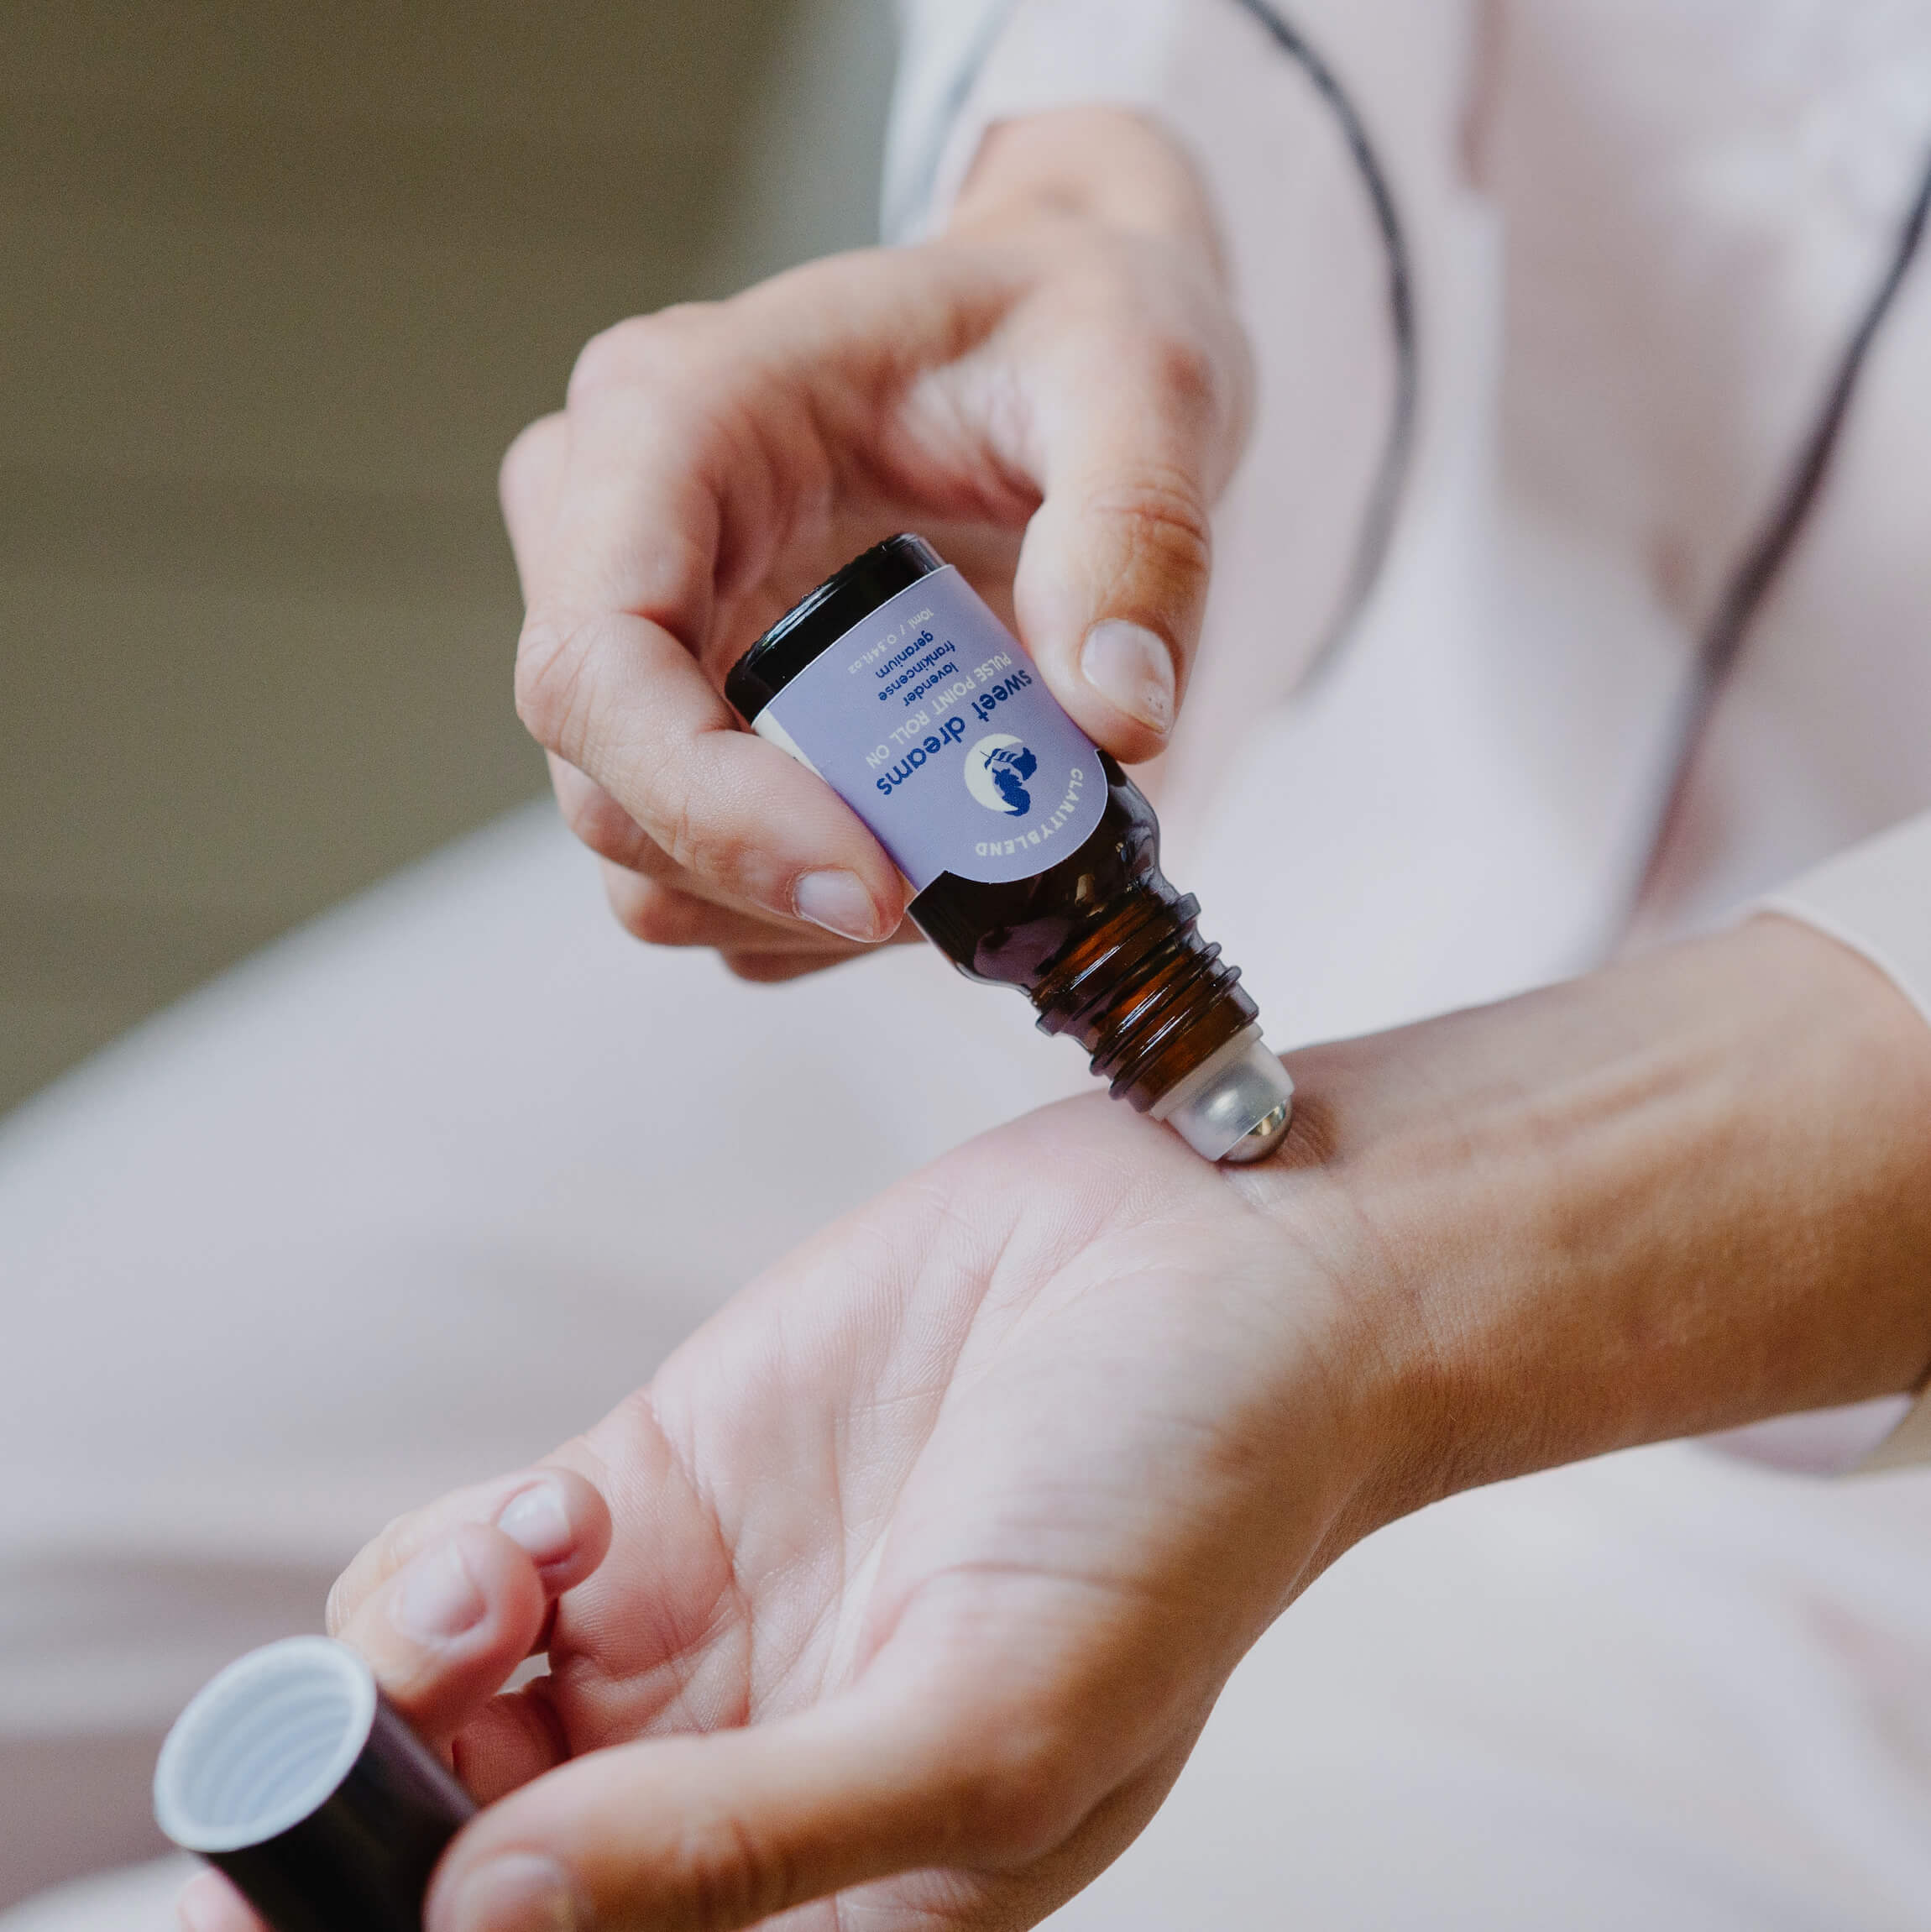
[995, 1439]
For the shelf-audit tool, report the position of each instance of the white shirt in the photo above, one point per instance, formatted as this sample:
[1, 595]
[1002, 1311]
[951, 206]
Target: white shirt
[1644, 231]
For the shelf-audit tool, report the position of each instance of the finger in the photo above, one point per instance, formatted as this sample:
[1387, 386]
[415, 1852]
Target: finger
[528, 485]
[457, 1605]
[609, 830]
[600, 822]
[1136, 443]
[531, 483]
[620, 699]
[207, 1902]
[553, 1514]
[722, 1831]
[514, 1738]
[775, 969]
[608, 672]
[658, 902]
[442, 1634]
[665, 915]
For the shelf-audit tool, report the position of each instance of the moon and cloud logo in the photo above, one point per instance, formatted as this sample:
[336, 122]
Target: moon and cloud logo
[996, 769]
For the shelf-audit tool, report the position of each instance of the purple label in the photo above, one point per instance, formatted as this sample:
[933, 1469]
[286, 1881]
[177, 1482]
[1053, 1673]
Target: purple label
[931, 722]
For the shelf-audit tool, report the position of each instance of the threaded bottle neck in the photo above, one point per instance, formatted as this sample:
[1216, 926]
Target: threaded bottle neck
[1144, 994]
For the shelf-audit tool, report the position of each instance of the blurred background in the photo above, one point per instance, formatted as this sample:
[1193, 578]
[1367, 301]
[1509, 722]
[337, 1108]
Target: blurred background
[279, 281]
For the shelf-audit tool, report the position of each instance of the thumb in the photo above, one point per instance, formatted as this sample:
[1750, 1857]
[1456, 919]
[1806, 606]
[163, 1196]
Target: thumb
[727, 1830]
[1112, 577]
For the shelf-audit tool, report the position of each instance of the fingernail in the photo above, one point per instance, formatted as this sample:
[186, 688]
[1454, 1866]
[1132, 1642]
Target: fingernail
[536, 1521]
[517, 1892]
[838, 901]
[1132, 669]
[438, 1598]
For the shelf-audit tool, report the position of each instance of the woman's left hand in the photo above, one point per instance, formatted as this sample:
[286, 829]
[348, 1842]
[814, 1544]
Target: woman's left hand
[926, 1560]
[928, 1557]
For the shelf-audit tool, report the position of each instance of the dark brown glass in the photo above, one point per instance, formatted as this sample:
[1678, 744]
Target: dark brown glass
[1100, 943]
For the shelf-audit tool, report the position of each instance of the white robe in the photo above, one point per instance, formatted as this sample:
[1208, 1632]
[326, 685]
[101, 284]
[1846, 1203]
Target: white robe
[420, 1190]
[1643, 233]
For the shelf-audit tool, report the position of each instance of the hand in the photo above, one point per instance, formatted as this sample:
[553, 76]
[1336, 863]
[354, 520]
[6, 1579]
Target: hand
[1056, 391]
[928, 1556]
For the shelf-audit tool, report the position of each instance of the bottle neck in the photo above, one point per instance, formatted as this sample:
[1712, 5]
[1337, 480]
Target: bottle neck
[1146, 997]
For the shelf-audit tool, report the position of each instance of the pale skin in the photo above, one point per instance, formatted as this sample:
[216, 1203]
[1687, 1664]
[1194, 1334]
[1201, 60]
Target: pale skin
[898, 1596]
[1055, 392]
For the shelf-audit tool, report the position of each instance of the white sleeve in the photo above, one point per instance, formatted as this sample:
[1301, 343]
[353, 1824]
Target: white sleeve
[967, 63]
[1875, 898]
[1309, 266]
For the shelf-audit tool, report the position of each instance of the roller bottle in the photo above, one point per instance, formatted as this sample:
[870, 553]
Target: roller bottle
[1034, 859]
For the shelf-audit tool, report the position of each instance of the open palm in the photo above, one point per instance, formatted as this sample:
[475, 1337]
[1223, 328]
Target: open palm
[927, 1556]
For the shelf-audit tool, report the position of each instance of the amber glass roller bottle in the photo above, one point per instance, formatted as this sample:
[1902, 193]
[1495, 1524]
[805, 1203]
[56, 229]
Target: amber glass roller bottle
[1035, 859]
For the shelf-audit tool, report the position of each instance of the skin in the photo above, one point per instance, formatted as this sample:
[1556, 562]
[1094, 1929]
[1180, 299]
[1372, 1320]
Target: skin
[898, 1597]
[1056, 391]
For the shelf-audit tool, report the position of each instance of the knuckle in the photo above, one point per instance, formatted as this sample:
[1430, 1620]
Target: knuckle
[607, 360]
[723, 1874]
[639, 350]
[600, 822]
[638, 907]
[697, 845]
[1165, 522]
[661, 915]
[553, 662]
[367, 1567]
[534, 449]
[1184, 372]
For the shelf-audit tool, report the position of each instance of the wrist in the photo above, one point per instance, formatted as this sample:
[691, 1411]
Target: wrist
[1676, 1196]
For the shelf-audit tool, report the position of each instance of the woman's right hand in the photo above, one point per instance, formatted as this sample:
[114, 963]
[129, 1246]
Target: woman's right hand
[1056, 391]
